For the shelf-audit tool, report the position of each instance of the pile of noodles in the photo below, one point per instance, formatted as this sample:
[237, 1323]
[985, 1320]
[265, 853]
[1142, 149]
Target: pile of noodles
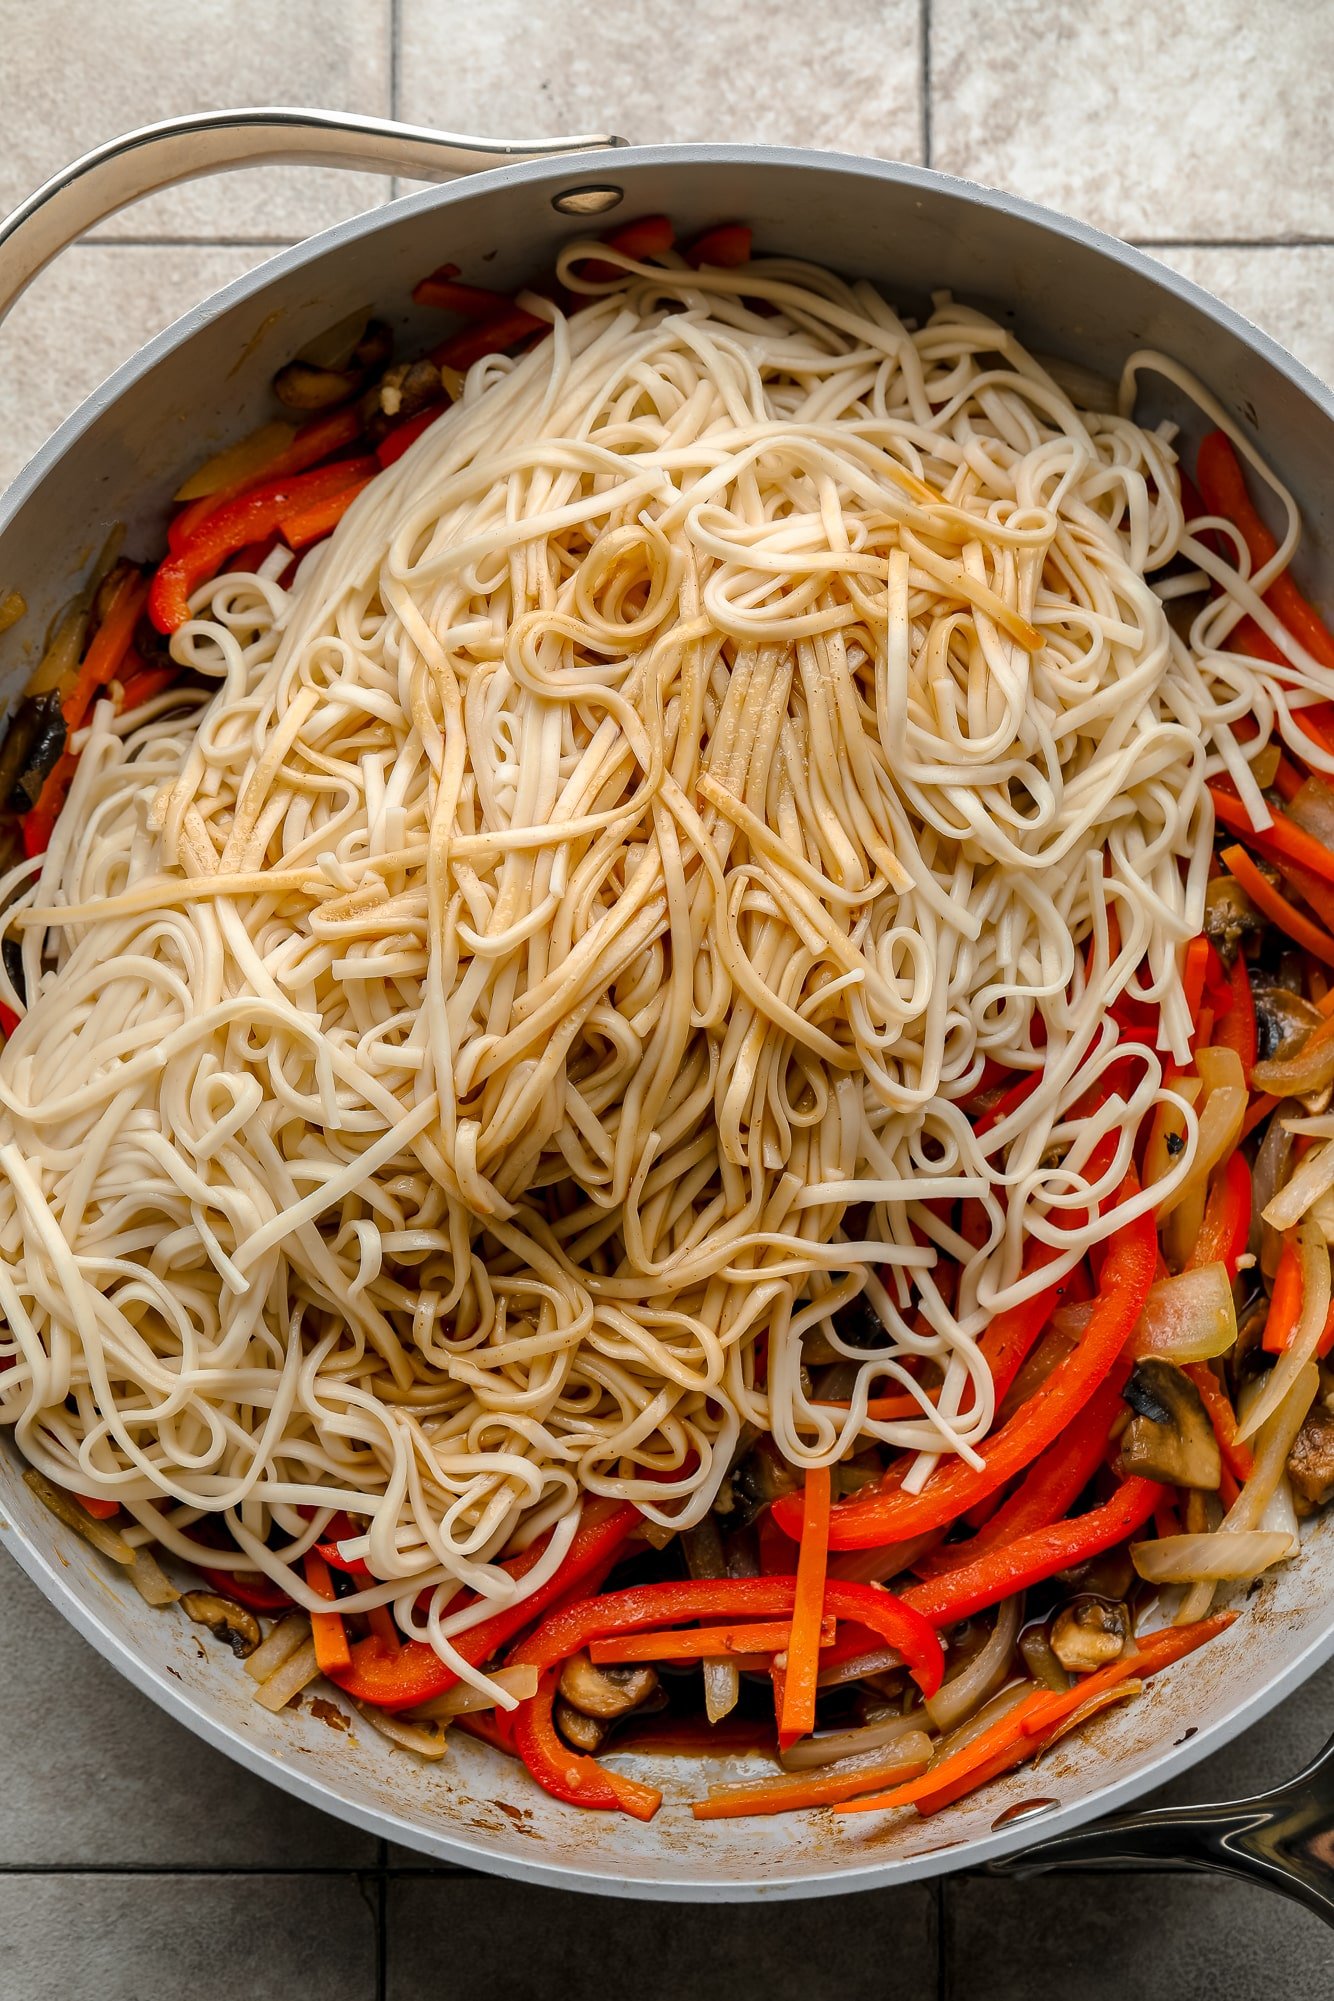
[466, 1055]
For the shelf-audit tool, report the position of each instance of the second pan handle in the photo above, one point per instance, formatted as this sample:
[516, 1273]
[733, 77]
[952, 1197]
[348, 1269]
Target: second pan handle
[124, 170]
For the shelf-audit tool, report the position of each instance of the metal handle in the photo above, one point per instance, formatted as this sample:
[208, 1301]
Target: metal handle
[184, 149]
[1283, 1839]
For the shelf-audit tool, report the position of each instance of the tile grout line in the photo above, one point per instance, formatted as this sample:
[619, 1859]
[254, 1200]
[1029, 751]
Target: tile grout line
[940, 1888]
[924, 83]
[381, 1920]
[395, 79]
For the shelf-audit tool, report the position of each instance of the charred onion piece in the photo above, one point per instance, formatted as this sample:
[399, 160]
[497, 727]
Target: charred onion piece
[225, 1619]
[1170, 1437]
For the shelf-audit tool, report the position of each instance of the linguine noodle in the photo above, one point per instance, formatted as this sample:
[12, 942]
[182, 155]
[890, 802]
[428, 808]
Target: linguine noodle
[469, 1053]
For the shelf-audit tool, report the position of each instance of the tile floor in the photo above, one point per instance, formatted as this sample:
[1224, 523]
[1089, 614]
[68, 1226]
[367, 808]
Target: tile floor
[137, 1865]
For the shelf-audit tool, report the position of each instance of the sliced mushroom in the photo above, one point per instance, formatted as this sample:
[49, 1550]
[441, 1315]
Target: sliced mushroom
[315, 385]
[1089, 1633]
[605, 1692]
[585, 1733]
[1229, 917]
[1311, 1460]
[1110, 1575]
[1170, 1437]
[225, 1619]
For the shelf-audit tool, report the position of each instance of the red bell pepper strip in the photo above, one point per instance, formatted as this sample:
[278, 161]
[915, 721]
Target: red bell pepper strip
[394, 443]
[1227, 1219]
[889, 1515]
[1223, 485]
[317, 440]
[491, 336]
[100, 1510]
[647, 1605]
[1234, 1028]
[1285, 1303]
[312, 524]
[1194, 968]
[1052, 1484]
[341, 1528]
[797, 1718]
[444, 292]
[999, 1573]
[1277, 908]
[1238, 1459]
[1312, 888]
[727, 246]
[647, 237]
[884, 1514]
[1036, 1720]
[9, 1021]
[250, 516]
[1284, 841]
[570, 1775]
[248, 1587]
[142, 687]
[327, 1628]
[417, 1673]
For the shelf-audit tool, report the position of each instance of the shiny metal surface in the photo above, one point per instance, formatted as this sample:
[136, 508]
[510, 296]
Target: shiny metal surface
[1069, 291]
[1283, 1839]
[139, 163]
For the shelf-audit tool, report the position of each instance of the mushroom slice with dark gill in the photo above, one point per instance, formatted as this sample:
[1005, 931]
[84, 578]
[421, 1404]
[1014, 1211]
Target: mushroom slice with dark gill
[1311, 1460]
[1088, 1633]
[1170, 1437]
[225, 1619]
[582, 1733]
[605, 1692]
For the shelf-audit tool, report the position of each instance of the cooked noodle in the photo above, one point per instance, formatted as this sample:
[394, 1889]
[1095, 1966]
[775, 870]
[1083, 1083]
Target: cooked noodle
[466, 1057]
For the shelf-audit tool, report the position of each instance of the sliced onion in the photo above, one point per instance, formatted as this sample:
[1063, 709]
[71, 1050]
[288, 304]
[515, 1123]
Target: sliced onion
[832, 1745]
[1313, 1257]
[1222, 1114]
[1106, 1698]
[883, 1661]
[409, 1736]
[295, 1673]
[236, 463]
[278, 1645]
[1312, 1179]
[104, 1538]
[1312, 807]
[901, 1761]
[1251, 1509]
[1192, 1559]
[983, 1718]
[461, 1700]
[1306, 1071]
[151, 1581]
[1190, 1318]
[987, 1671]
[702, 1547]
[1267, 1177]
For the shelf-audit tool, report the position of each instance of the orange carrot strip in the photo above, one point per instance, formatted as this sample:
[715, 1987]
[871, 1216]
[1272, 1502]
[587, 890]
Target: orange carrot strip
[1016, 1735]
[1285, 1305]
[761, 1638]
[327, 1630]
[823, 1787]
[1277, 908]
[1237, 1455]
[797, 1716]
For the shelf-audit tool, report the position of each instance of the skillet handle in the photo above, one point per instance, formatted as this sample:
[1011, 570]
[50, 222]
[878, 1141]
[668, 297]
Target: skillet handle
[184, 149]
[1283, 1839]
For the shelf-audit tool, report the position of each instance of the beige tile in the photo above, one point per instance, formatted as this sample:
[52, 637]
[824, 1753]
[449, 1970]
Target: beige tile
[841, 75]
[1285, 291]
[1205, 119]
[137, 61]
[86, 314]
